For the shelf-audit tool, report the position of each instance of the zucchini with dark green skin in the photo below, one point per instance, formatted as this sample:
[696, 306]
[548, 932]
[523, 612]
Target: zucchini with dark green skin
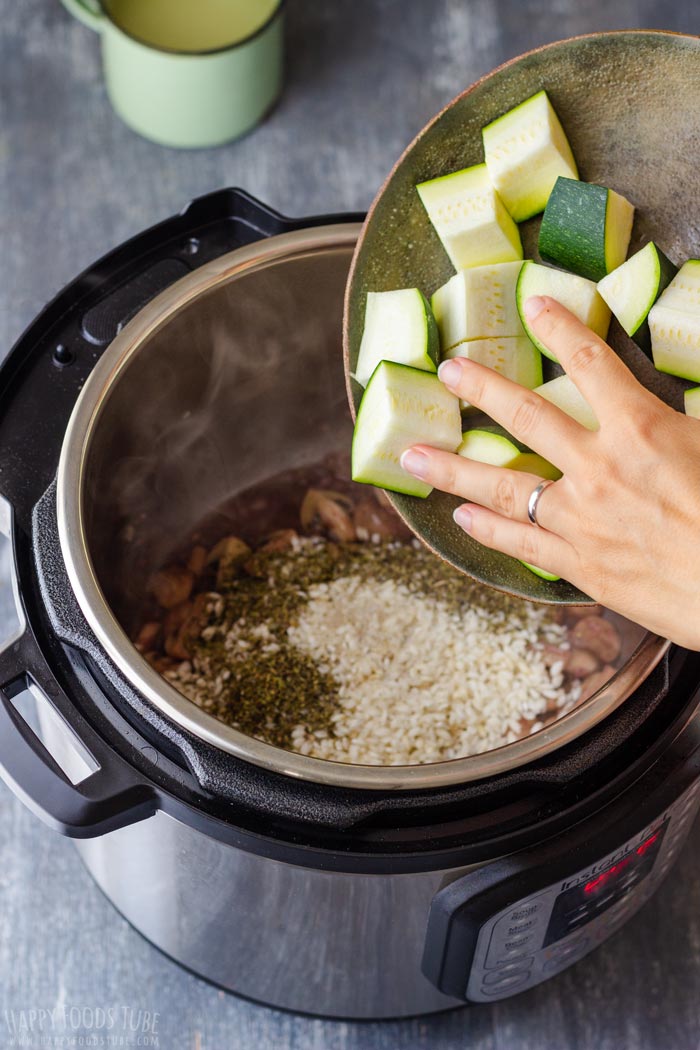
[585, 228]
[632, 289]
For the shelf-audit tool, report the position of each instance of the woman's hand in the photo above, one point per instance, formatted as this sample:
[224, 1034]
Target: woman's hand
[623, 523]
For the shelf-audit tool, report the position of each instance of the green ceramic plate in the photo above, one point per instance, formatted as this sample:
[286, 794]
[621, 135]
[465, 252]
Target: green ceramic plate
[629, 102]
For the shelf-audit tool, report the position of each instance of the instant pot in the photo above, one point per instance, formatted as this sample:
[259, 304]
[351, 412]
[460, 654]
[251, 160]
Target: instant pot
[190, 363]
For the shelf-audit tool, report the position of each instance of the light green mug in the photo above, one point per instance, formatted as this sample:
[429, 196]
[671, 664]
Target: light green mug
[185, 92]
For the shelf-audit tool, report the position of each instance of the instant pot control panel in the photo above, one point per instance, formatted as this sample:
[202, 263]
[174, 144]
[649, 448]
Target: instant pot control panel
[499, 931]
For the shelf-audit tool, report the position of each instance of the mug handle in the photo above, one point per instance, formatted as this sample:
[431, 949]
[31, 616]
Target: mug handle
[85, 12]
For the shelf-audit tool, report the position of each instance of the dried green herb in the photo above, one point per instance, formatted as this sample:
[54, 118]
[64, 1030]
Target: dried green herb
[263, 685]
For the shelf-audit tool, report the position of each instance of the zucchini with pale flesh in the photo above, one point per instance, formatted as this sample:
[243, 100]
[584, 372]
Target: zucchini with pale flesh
[691, 402]
[497, 449]
[478, 303]
[487, 446]
[585, 228]
[514, 357]
[399, 326]
[674, 323]
[470, 218]
[401, 406]
[564, 393]
[632, 289]
[577, 294]
[526, 151]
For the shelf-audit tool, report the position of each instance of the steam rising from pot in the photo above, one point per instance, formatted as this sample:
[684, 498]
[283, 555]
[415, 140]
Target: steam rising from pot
[229, 391]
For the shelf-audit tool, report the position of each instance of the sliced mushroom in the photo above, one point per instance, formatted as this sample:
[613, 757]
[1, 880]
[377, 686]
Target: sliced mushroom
[175, 646]
[229, 555]
[148, 636]
[580, 663]
[232, 548]
[196, 621]
[175, 617]
[596, 681]
[552, 654]
[171, 586]
[159, 662]
[599, 636]
[197, 559]
[528, 725]
[331, 510]
[281, 540]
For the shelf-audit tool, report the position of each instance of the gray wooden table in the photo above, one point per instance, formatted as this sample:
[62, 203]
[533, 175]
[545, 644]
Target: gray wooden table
[363, 77]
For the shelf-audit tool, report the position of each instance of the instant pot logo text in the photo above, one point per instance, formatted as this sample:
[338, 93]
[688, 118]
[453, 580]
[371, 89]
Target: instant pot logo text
[81, 1026]
[606, 862]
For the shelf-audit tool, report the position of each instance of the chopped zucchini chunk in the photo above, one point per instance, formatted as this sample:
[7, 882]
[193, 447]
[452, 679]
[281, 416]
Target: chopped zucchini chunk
[513, 357]
[541, 572]
[632, 289]
[533, 463]
[399, 326]
[585, 228]
[470, 218]
[674, 323]
[402, 406]
[577, 294]
[526, 151]
[691, 399]
[486, 446]
[564, 393]
[478, 303]
[495, 447]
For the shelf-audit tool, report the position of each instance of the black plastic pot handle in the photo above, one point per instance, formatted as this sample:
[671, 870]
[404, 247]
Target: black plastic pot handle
[112, 796]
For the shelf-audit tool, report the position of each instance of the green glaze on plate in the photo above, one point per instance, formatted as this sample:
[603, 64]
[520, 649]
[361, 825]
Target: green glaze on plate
[628, 102]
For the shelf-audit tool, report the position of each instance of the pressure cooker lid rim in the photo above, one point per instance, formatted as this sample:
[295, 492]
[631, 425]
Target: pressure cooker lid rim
[163, 696]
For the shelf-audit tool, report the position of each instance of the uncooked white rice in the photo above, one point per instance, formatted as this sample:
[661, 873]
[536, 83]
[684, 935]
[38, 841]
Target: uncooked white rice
[419, 682]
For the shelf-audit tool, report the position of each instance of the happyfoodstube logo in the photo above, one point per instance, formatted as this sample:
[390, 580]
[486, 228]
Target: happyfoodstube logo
[66, 1027]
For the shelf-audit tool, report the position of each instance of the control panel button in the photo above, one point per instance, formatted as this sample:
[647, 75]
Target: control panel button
[518, 942]
[526, 910]
[507, 984]
[569, 948]
[521, 927]
[506, 972]
[497, 959]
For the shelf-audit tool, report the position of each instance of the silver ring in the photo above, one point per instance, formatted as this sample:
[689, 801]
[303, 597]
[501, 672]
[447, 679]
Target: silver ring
[534, 500]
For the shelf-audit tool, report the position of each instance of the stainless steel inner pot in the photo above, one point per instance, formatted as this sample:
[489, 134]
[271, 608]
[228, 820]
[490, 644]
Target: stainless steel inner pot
[230, 376]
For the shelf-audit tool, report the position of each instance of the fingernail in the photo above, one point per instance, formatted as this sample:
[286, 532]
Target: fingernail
[463, 517]
[534, 306]
[416, 463]
[450, 372]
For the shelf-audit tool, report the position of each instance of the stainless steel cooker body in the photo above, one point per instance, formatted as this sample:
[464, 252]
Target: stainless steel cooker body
[332, 889]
